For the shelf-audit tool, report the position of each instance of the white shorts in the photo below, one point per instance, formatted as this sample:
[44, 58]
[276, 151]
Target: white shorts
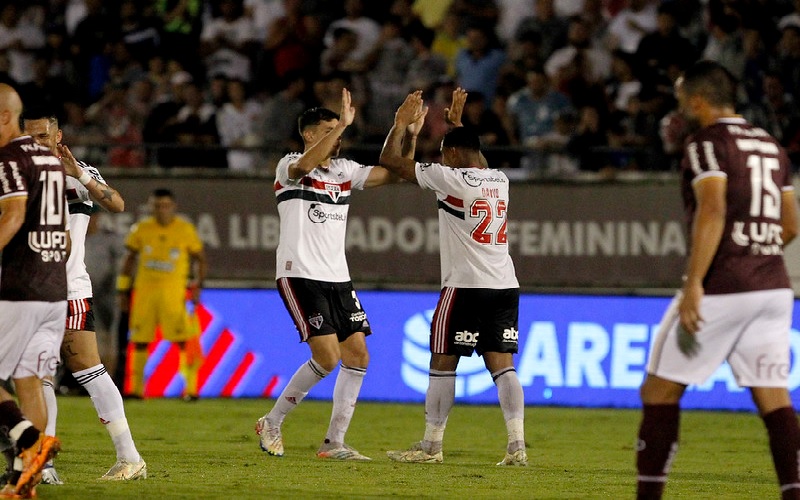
[750, 330]
[30, 338]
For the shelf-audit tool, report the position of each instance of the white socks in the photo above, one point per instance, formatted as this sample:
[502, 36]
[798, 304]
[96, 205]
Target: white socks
[438, 402]
[52, 407]
[301, 382]
[108, 403]
[345, 394]
[512, 402]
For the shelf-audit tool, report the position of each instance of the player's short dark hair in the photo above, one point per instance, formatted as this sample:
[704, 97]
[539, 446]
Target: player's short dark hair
[462, 138]
[40, 113]
[712, 81]
[314, 116]
[163, 193]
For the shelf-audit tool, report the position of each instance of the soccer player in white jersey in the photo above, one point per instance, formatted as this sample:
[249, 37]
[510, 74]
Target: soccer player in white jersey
[479, 302]
[736, 301]
[79, 352]
[313, 194]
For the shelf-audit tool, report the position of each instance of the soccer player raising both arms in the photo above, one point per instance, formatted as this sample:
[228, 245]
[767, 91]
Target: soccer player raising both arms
[33, 291]
[85, 186]
[313, 195]
[479, 303]
[736, 301]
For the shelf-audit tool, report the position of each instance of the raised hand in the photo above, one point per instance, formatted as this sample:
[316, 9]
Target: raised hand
[415, 127]
[348, 113]
[411, 111]
[68, 160]
[452, 115]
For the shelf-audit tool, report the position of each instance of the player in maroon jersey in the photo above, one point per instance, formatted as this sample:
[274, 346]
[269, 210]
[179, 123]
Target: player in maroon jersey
[736, 301]
[33, 288]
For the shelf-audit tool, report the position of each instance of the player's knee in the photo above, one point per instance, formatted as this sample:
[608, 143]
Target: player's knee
[658, 391]
[325, 351]
[357, 360]
[77, 363]
[355, 354]
[328, 363]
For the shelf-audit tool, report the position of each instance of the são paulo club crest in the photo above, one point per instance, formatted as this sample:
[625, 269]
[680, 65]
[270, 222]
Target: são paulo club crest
[334, 190]
[316, 320]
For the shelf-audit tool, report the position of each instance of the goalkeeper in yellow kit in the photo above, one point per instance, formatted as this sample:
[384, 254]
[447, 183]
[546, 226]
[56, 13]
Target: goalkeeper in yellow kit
[169, 253]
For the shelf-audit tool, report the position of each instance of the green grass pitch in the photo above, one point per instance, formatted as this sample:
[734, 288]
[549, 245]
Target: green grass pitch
[208, 449]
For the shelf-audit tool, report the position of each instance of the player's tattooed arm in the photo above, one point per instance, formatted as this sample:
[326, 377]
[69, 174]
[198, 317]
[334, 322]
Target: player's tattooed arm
[108, 197]
[108, 193]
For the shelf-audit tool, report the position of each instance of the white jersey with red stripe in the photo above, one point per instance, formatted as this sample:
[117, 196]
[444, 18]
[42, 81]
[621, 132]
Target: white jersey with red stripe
[473, 203]
[313, 213]
[79, 285]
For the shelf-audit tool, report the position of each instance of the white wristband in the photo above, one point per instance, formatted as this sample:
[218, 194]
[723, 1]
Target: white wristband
[85, 178]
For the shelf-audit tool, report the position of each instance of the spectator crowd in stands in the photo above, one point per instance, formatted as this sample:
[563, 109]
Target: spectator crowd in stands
[555, 86]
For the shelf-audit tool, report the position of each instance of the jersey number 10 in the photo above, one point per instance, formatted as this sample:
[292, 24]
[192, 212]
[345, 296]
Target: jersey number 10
[51, 210]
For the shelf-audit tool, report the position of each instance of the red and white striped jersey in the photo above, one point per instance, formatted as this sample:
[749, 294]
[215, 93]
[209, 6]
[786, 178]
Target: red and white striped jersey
[473, 204]
[313, 213]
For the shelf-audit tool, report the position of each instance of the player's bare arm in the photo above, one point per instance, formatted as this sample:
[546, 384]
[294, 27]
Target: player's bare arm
[707, 228]
[790, 221]
[108, 197]
[323, 139]
[392, 156]
[12, 215]
[379, 176]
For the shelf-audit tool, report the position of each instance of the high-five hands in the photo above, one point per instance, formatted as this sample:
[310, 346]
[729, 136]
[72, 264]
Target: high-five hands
[452, 115]
[415, 127]
[412, 112]
[348, 113]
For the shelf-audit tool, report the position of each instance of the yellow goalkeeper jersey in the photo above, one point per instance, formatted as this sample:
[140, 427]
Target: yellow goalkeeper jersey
[163, 251]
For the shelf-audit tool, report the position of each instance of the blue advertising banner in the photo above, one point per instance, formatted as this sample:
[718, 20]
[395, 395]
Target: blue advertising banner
[575, 350]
